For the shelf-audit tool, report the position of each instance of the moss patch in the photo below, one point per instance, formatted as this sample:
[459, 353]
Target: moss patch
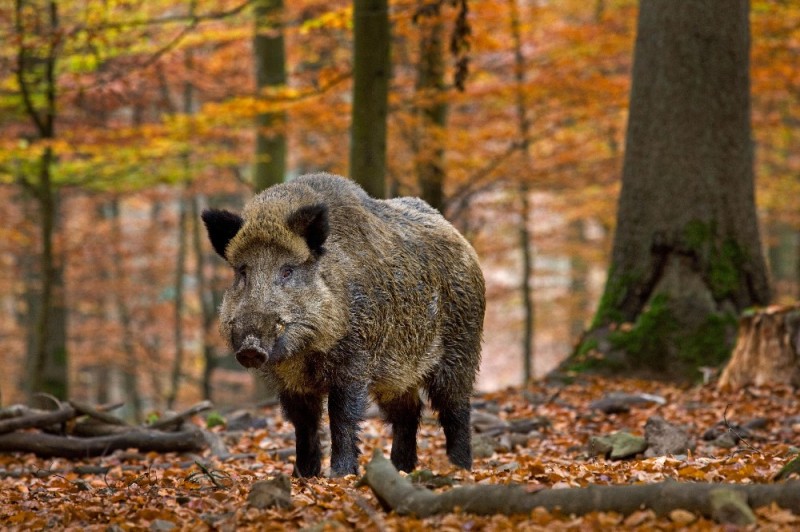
[710, 344]
[723, 262]
[657, 343]
[646, 341]
[588, 357]
[608, 309]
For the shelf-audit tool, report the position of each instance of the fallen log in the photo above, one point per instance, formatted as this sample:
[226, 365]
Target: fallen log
[49, 445]
[37, 420]
[398, 493]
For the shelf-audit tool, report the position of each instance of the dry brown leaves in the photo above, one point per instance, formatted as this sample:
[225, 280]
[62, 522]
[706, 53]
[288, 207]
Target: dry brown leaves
[162, 492]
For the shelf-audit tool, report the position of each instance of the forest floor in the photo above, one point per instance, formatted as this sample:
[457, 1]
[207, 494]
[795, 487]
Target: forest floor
[537, 437]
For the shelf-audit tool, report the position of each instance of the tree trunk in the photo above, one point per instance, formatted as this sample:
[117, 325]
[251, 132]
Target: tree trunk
[36, 76]
[687, 255]
[767, 351]
[130, 365]
[371, 72]
[429, 145]
[206, 302]
[270, 59]
[180, 270]
[525, 235]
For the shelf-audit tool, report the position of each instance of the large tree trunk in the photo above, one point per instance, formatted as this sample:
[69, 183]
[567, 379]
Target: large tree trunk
[767, 351]
[687, 256]
[431, 110]
[270, 59]
[371, 73]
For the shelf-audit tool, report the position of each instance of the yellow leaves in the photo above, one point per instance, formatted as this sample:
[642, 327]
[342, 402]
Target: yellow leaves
[340, 19]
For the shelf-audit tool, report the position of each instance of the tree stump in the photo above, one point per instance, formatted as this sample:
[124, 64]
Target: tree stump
[767, 350]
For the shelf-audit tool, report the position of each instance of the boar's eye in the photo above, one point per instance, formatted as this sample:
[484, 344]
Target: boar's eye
[286, 272]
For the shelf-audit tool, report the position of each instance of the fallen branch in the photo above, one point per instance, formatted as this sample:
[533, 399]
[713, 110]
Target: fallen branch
[93, 429]
[397, 493]
[177, 420]
[49, 445]
[86, 410]
[37, 420]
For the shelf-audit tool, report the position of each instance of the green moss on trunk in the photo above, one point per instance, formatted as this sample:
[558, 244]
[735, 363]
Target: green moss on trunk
[608, 310]
[646, 342]
[656, 344]
[723, 262]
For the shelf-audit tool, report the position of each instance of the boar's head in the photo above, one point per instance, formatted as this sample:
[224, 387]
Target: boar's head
[280, 304]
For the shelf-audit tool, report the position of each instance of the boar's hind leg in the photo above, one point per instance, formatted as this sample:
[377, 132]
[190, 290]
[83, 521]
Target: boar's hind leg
[305, 411]
[451, 400]
[346, 406]
[403, 413]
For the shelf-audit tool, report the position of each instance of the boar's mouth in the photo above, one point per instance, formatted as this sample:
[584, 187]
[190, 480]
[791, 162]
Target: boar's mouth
[251, 354]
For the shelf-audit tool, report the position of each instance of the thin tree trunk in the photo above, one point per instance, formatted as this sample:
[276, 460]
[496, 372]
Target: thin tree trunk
[270, 59]
[525, 235]
[206, 301]
[130, 364]
[180, 269]
[371, 73]
[429, 145]
[687, 256]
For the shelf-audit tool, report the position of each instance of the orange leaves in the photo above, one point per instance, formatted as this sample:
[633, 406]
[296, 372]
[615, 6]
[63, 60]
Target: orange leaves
[153, 490]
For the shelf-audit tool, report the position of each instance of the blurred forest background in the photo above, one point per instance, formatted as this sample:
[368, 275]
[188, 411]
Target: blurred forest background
[121, 120]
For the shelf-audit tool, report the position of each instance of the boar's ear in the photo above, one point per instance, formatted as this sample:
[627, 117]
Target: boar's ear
[222, 226]
[311, 222]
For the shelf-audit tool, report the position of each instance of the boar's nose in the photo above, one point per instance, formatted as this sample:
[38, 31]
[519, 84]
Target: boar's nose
[251, 354]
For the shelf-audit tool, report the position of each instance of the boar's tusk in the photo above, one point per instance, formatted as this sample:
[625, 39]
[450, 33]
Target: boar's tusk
[251, 354]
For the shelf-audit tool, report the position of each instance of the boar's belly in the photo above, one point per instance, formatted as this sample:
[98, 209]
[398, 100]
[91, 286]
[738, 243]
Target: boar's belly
[398, 372]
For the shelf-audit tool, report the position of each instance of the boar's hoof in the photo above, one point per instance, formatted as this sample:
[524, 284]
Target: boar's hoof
[251, 354]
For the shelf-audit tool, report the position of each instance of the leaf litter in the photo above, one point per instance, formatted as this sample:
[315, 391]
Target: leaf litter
[134, 491]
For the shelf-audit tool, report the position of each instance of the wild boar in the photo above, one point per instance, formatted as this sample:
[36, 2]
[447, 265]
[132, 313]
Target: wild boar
[341, 295]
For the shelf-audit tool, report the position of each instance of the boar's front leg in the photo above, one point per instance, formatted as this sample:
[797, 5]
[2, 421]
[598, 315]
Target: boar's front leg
[304, 411]
[346, 406]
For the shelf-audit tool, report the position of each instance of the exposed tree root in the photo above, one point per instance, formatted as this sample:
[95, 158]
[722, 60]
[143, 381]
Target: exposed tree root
[397, 493]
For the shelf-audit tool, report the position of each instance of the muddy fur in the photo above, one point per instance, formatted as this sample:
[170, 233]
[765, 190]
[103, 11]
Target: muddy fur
[341, 295]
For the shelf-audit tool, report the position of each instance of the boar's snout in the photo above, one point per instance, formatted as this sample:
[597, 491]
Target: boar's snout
[251, 354]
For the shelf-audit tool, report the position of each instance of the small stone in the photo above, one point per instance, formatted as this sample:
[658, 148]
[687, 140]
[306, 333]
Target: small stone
[665, 438]
[524, 426]
[490, 424]
[483, 446]
[725, 441]
[620, 403]
[273, 493]
[757, 423]
[617, 446]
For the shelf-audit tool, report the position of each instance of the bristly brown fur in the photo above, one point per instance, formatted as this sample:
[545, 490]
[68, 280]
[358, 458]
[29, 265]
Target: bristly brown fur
[394, 303]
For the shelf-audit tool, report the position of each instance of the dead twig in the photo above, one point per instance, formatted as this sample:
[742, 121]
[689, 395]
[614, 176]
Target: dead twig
[177, 420]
